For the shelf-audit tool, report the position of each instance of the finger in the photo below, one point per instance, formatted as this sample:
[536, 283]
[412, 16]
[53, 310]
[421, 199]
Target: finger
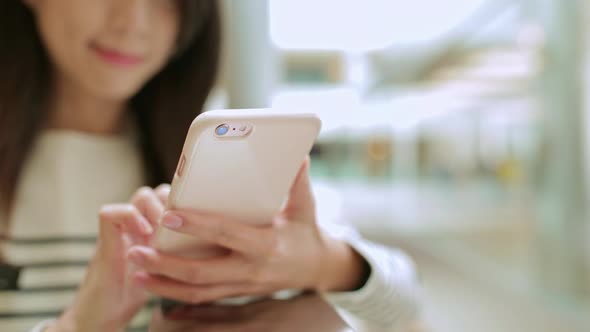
[124, 217]
[223, 231]
[149, 205]
[110, 230]
[193, 294]
[301, 202]
[196, 272]
[115, 222]
[163, 191]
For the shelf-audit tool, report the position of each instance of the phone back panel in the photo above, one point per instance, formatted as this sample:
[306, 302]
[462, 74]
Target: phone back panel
[248, 177]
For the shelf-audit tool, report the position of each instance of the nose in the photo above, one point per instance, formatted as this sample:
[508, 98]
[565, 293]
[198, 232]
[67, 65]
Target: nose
[130, 18]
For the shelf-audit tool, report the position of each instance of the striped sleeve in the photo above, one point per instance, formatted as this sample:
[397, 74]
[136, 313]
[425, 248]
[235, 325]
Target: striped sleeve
[389, 299]
[40, 279]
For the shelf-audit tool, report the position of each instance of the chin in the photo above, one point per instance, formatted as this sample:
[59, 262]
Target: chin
[117, 90]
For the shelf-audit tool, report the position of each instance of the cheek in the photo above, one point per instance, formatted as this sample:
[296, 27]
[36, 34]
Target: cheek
[165, 35]
[65, 26]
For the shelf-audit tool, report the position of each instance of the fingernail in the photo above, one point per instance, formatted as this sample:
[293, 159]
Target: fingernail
[172, 221]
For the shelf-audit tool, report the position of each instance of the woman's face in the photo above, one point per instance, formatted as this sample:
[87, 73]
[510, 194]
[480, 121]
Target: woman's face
[109, 48]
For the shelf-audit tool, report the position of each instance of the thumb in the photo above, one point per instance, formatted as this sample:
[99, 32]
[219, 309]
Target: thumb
[121, 225]
[111, 231]
[301, 203]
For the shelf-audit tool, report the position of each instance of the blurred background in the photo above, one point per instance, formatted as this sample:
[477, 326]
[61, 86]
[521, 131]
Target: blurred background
[454, 129]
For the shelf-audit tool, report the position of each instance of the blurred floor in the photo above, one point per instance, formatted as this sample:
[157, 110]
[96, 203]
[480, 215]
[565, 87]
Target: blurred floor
[478, 270]
[455, 302]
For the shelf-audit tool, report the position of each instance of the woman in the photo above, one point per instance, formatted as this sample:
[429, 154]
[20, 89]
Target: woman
[95, 99]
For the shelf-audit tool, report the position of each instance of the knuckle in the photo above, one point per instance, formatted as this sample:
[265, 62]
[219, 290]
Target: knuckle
[130, 212]
[163, 192]
[163, 188]
[273, 246]
[153, 261]
[194, 297]
[143, 191]
[191, 274]
[111, 212]
[220, 232]
[142, 194]
[257, 274]
[105, 212]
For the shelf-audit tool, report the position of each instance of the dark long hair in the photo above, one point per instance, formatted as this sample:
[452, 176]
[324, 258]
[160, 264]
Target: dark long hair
[164, 108]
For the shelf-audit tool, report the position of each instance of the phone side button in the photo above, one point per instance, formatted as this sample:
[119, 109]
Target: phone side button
[181, 163]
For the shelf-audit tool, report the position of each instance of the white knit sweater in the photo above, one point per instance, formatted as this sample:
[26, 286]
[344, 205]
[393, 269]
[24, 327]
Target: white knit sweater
[69, 175]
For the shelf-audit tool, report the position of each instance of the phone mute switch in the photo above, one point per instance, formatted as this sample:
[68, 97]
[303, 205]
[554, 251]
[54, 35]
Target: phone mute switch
[180, 167]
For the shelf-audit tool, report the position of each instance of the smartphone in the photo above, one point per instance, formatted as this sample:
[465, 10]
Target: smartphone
[237, 163]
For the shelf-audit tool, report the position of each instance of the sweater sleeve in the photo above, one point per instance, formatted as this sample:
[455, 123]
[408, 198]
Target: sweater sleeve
[389, 300]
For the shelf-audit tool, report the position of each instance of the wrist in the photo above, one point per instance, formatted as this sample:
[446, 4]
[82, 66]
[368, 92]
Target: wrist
[342, 268]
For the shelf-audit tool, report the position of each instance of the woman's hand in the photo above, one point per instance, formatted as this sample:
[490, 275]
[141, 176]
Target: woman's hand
[290, 253]
[107, 299]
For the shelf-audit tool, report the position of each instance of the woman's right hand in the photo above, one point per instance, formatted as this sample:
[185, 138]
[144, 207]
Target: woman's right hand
[107, 299]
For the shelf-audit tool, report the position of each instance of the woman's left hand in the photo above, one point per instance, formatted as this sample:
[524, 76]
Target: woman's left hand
[290, 253]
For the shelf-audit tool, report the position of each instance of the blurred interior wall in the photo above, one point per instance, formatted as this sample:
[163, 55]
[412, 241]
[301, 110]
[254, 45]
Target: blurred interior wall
[250, 66]
[562, 204]
[586, 100]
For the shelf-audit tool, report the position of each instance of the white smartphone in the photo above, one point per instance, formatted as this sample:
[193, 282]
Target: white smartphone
[238, 163]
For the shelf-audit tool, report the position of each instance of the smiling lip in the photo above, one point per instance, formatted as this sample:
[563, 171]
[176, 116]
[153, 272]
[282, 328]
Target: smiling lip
[115, 57]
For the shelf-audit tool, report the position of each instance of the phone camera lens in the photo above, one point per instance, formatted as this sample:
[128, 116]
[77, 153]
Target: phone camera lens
[222, 130]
